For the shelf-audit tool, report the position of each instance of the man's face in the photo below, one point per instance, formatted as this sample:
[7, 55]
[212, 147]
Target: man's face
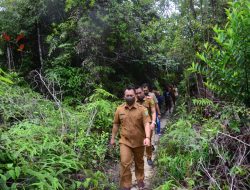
[146, 91]
[129, 97]
[129, 94]
[139, 94]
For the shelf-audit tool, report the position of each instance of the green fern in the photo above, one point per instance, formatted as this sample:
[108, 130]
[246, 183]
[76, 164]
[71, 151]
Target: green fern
[4, 77]
[202, 102]
[33, 153]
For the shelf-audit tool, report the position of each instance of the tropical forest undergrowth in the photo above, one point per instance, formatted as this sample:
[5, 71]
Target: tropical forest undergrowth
[45, 145]
[205, 148]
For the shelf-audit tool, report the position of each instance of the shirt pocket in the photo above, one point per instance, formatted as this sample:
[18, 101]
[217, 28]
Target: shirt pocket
[122, 117]
[139, 119]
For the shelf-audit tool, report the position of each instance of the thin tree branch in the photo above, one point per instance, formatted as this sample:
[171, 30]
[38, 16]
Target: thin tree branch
[235, 138]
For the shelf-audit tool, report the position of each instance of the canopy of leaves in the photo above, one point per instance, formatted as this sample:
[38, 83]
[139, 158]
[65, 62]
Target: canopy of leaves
[226, 64]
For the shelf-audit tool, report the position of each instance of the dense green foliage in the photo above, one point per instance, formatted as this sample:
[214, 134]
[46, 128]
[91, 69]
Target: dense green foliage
[63, 63]
[188, 25]
[48, 147]
[208, 147]
[226, 65]
[90, 43]
[105, 40]
[205, 150]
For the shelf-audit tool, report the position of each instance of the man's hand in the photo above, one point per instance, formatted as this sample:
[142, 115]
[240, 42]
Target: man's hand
[159, 116]
[146, 142]
[152, 126]
[112, 142]
[114, 132]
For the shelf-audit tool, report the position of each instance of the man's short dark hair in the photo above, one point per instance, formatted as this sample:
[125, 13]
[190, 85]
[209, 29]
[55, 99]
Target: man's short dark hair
[138, 86]
[130, 87]
[145, 85]
[154, 87]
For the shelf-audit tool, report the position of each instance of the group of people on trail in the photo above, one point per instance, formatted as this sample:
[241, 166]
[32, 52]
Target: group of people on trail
[137, 119]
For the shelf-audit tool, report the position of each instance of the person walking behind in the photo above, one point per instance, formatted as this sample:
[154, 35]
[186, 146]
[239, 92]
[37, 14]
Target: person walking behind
[168, 99]
[147, 92]
[148, 103]
[171, 89]
[175, 93]
[133, 120]
[150, 149]
[160, 99]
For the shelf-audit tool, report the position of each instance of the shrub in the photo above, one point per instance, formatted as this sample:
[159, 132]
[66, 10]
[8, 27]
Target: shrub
[44, 145]
[207, 153]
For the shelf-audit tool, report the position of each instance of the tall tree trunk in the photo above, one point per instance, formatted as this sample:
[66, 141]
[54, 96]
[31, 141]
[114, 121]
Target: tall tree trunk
[201, 7]
[191, 6]
[8, 58]
[10, 61]
[198, 85]
[39, 46]
[246, 78]
[213, 4]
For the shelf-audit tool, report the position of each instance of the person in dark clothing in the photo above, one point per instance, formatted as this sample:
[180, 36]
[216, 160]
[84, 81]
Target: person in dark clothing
[160, 99]
[171, 90]
[174, 93]
[168, 98]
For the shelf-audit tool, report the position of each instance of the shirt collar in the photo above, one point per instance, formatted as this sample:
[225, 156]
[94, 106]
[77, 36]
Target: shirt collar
[141, 101]
[134, 106]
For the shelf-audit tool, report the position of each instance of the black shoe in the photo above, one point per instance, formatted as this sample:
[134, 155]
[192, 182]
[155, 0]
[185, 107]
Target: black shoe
[150, 162]
[153, 148]
[141, 185]
[125, 188]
